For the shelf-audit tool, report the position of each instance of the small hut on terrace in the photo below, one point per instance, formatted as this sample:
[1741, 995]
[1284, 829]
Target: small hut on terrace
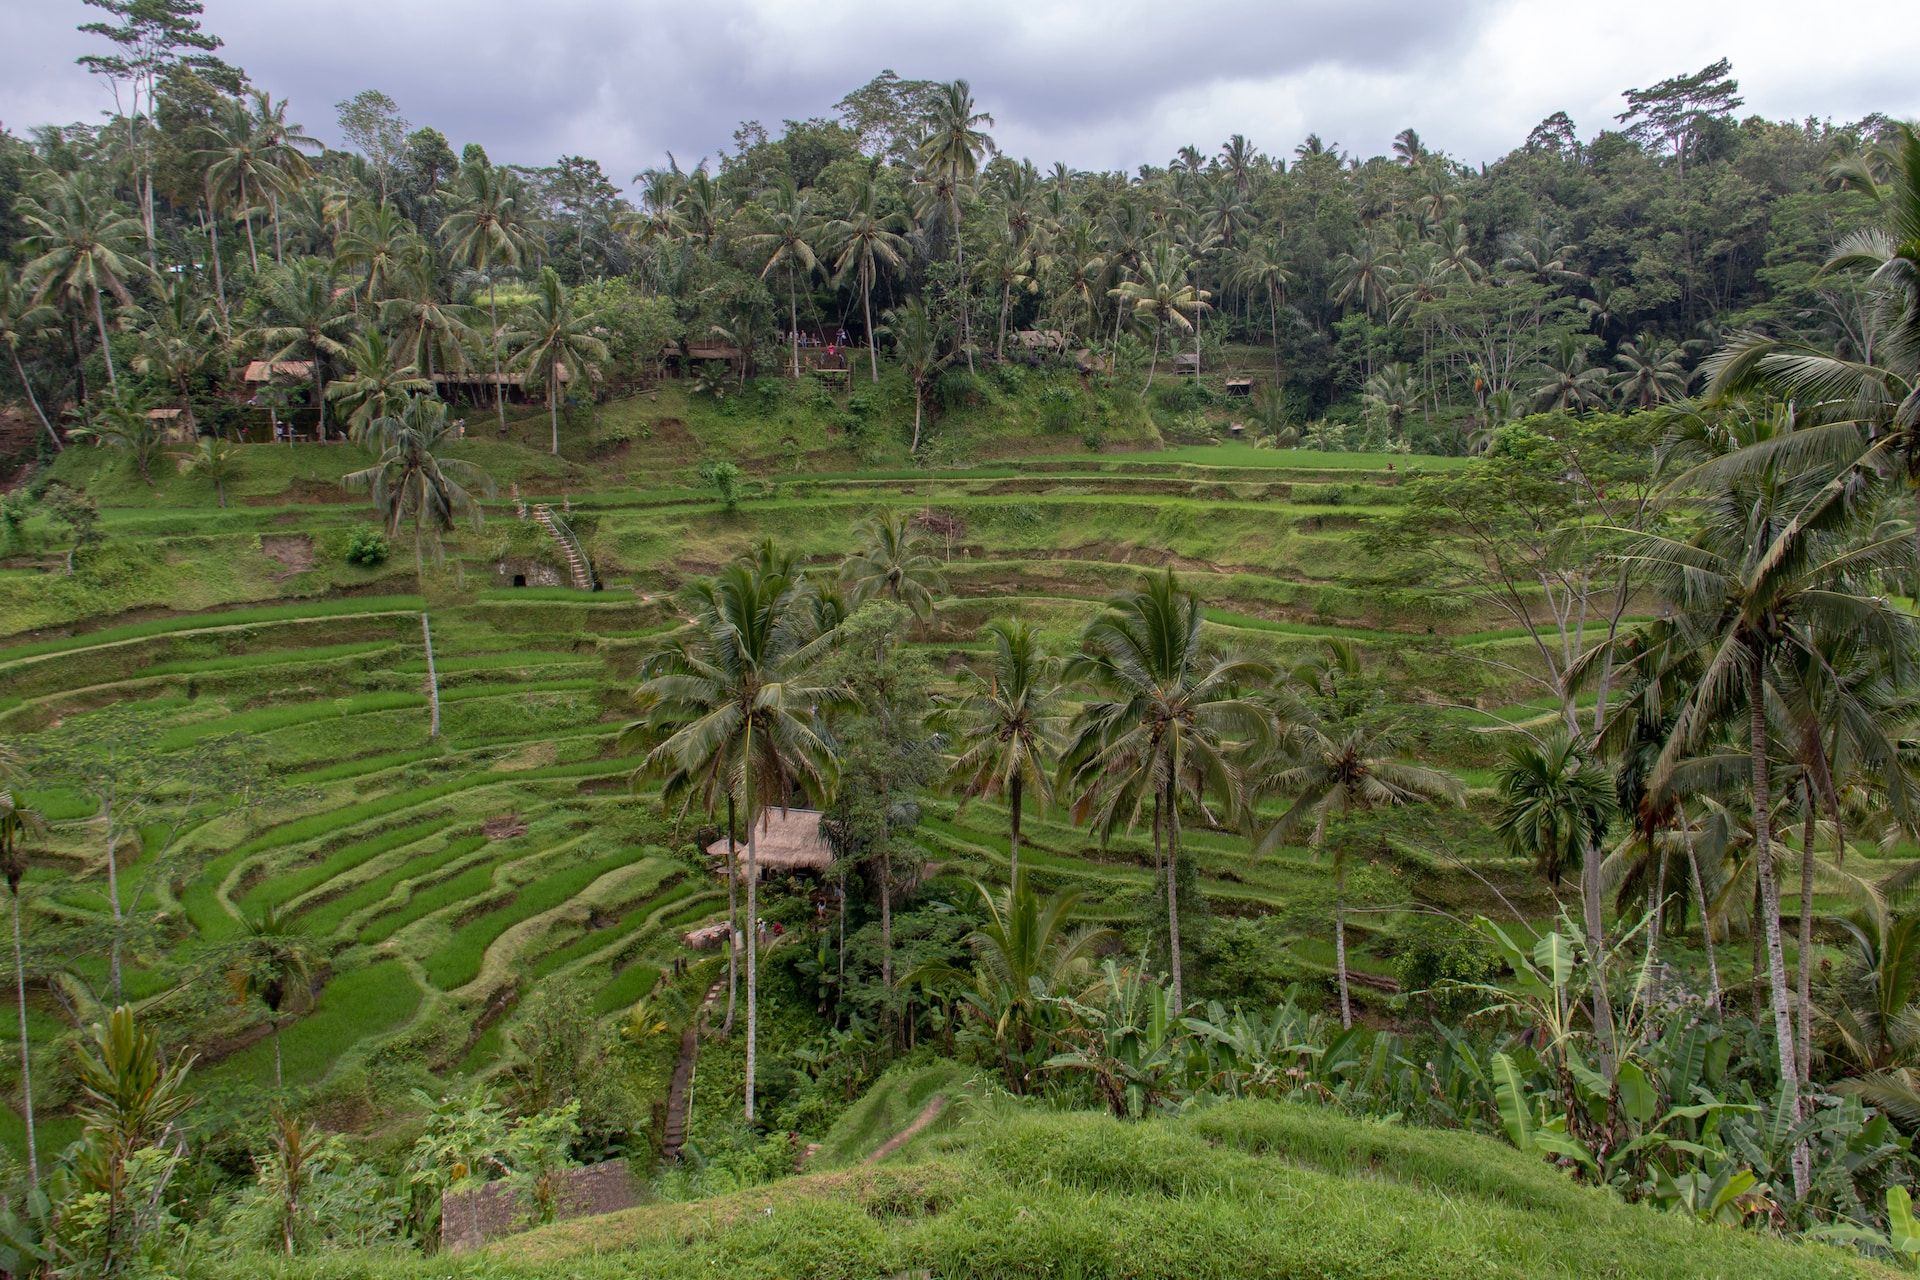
[788, 841]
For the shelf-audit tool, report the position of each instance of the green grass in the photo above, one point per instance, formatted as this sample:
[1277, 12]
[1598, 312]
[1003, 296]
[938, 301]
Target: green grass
[457, 961]
[355, 1007]
[263, 615]
[286, 884]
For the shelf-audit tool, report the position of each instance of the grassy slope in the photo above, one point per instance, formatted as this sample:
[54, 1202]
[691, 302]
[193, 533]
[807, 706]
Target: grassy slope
[1242, 1189]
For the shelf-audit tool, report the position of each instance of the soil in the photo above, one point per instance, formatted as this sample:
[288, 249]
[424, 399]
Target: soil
[293, 550]
[505, 826]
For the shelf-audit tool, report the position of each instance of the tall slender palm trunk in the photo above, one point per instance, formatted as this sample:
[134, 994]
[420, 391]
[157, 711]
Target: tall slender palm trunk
[1803, 1043]
[553, 411]
[793, 322]
[866, 306]
[20, 372]
[1013, 829]
[213, 247]
[1770, 910]
[113, 903]
[1706, 916]
[753, 933]
[1173, 894]
[499, 388]
[106, 348]
[1340, 935]
[26, 1055]
[733, 922]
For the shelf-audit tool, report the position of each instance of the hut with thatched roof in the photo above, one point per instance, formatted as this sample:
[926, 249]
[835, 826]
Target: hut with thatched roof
[788, 841]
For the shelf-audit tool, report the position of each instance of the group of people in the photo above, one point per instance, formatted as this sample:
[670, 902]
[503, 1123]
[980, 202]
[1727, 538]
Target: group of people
[810, 340]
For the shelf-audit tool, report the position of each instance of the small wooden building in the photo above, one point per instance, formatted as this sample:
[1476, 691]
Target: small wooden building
[788, 841]
[1242, 387]
[1187, 362]
[176, 425]
[262, 371]
[1040, 340]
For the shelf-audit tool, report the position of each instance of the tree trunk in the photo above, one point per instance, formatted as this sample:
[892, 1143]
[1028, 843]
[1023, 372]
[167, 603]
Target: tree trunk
[1706, 917]
[246, 217]
[915, 447]
[220, 492]
[213, 247]
[499, 387]
[279, 250]
[793, 323]
[1770, 909]
[753, 934]
[553, 410]
[733, 922]
[279, 1082]
[1804, 1042]
[20, 372]
[113, 902]
[1013, 831]
[1153, 366]
[1000, 341]
[26, 1056]
[433, 679]
[1273, 308]
[106, 349]
[891, 1029]
[1591, 910]
[1340, 936]
[1173, 895]
[866, 306]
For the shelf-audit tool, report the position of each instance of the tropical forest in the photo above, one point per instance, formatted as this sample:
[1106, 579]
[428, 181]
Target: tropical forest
[865, 705]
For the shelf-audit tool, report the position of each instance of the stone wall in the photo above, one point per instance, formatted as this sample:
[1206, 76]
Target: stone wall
[469, 1219]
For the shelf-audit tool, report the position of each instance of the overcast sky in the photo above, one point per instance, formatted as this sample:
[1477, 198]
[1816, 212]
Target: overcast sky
[1097, 83]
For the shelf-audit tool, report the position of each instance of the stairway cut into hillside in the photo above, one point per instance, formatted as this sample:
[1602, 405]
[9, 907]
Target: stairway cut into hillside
[579, 568]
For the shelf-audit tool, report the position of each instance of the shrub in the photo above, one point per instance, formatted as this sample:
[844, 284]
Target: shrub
[367, 547]
[1056, 410]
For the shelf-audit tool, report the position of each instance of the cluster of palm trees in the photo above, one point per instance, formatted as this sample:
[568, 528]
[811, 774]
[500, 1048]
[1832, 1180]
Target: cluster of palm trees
[350, 284]
[1145, 726]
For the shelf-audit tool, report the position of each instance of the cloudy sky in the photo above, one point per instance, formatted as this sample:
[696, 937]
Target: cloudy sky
[1097, 83]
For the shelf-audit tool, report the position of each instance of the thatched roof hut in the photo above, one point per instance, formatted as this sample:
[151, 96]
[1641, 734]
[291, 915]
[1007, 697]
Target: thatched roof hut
[268, 370]
[788, 840]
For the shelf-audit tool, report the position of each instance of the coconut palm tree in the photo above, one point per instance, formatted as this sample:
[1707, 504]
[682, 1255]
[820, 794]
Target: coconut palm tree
[1263, 265]
[1773, 562]
[862, 243]
[1009, 722]
[216, 461]
[430, 333]
[892, 561]
[273, 960]
[16, 822]
[79, 245]
[379, 386]
[743, 696]
[1568, 381]
[383, 244]
[551, 345]
[949, 157]
[121, 422]
[178, 338]
[1364, 277]
[22, 319]
[790, 229]
[1026, 950]
[303, 317]
[916, 345]
[416, 479]
[1162, 727]
[486, 232]
[1651, 372]
[1162, 295]
[1335, 757]
[1394, 394]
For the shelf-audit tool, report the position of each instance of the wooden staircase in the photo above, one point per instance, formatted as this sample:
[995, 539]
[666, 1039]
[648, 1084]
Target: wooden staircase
[680, 1093]
[579, 568]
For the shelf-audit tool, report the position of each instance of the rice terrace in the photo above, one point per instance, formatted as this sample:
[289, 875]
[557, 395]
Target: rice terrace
[862, 707]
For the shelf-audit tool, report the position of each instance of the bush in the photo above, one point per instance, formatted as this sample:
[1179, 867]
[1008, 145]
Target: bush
[1434, 966]
[1056, 410]
[367, 547]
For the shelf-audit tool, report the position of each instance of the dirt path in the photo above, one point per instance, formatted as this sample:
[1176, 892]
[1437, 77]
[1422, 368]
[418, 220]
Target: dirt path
[928, 1114]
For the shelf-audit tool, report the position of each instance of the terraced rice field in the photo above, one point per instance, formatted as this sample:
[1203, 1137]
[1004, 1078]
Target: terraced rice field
[432, 923]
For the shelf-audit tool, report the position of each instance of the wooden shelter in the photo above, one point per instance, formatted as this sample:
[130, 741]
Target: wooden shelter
[1040, 340]
[788, 841]
[1187, 362]
[176, 425]
[269, 370]
[1240, 386]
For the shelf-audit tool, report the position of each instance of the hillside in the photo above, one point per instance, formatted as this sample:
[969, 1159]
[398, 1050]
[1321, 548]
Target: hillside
[1236, 1190]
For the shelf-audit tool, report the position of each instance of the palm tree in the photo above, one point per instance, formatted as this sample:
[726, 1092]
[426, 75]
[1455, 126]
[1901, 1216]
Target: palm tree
[121, 422]
[863, 242]
[743, 697]
[178, 338]
[381, 242]
[273, 960]
[216, 461]
[431, 334]
[1365, 278]
[380, 386]
[1162, 295]
[1010, 724]
[302, 317]
[485, 232]
[22, 319]
[553, 345]
[949, 155]
[1026, 950]
[1263, 266]
[893, 562]
[787, 241]
[916, 344]
[1554, 805]
[253, 155]
[1334, 760]
[1162, 727]
[1651, 372]
[1394, 394]
[1568, 381]
[16, 820]
[79, 244]
[1770, 565]
[415, 479]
